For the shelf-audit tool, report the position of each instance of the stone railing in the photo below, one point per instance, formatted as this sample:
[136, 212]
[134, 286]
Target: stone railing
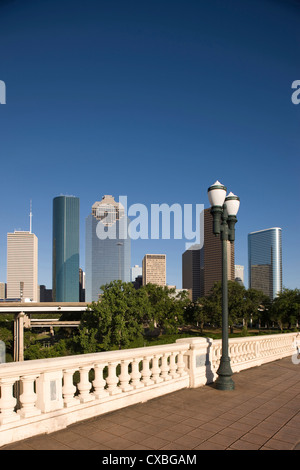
[46, 395]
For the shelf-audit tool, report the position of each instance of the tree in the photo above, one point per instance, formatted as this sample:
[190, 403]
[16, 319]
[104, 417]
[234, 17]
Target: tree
[286, 308]
[115, 320]
[243, 305]
[197, 313]
[257, 307]
[165, 309]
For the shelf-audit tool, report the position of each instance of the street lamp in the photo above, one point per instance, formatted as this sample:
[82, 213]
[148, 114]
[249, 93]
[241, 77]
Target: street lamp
[224, 210]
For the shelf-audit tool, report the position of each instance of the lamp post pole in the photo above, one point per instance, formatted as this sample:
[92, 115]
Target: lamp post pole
[224, 212]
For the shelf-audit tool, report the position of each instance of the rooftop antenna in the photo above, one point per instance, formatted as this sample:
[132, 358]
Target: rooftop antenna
[30, 217]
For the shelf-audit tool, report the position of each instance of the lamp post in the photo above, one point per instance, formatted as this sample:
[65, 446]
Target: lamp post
[224, 210]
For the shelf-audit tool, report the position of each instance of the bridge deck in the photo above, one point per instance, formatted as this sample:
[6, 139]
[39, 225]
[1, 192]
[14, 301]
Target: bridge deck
[263, 412]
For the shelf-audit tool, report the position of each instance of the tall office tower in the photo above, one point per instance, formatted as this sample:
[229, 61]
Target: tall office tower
[22, 266]
[108, 247]
[65, 262]
[191, 271]
[265, 261]
[154, 270]
[211, 257]
[239, 272]
[135, 271]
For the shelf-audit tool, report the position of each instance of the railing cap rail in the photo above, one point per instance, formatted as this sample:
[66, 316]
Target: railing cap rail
[76, 361]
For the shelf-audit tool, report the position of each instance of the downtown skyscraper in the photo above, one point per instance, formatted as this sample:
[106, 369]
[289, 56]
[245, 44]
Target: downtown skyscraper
[265, 261]
[22, 266]
[65, 249]
[202, 265]
[108, 247]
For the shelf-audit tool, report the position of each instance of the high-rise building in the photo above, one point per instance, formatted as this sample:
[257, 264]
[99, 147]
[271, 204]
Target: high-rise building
[45, 294]
[191, 271]
[22, 266]
[265, 261]
[239, 273]
[211, 257]
[135, 271]
[108, 247]
[154, 270]
[202, 266]
[65, 249]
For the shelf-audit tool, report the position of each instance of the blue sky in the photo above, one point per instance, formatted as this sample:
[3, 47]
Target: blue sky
[154, 100]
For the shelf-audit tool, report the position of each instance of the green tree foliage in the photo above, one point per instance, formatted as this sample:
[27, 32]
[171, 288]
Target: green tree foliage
[115, 321]
[165, 309]
[243, 305]
[122, 314]
[286, 308]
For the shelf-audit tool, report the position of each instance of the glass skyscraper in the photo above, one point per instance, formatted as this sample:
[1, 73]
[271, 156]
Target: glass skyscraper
[265, 261]
[108, 247]
[65, 249]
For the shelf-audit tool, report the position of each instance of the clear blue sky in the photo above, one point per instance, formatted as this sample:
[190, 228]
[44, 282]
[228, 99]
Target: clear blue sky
[154, 100]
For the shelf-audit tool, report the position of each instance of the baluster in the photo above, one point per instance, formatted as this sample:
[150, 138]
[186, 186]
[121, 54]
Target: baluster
[112, 379]
[84, 386]
[69, 389]
[28, 397]
[124, 376]
[156, 370]
[252, 350]
[99, 383]
[181, 365]
[146, 372]
[136, 375]
[173, 366]
[7, 401]
[248, 351]
[233, 355]
[165, 367]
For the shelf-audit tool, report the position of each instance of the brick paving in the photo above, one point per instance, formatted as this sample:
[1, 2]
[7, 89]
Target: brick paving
[262, 413]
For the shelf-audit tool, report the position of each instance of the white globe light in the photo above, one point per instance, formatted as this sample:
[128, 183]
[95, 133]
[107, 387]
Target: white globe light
[232, 203]
[216, 194]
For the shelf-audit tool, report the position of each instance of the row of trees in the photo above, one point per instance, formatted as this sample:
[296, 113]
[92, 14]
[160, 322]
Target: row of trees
[248, 308]
[124, 314]
[125, 317]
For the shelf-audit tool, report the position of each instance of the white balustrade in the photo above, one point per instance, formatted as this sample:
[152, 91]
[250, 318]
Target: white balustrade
[124, 377]
[46, 398]
[99, 383]
[112, 379]
[136, 375]
[8, 401]
[28, 397]
[173, 366]
[165, 367]
[146, 372]
[69, 388]
[84, 386]
[156, 369]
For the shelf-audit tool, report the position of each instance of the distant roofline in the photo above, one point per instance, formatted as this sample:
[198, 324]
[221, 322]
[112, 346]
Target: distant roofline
[266, 229]
[20, 231]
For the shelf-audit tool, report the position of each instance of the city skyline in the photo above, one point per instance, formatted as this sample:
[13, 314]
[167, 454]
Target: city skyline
[153, 101]
[108, 214]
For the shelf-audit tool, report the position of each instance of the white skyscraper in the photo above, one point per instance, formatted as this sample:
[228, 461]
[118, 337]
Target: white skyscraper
[22, 266]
